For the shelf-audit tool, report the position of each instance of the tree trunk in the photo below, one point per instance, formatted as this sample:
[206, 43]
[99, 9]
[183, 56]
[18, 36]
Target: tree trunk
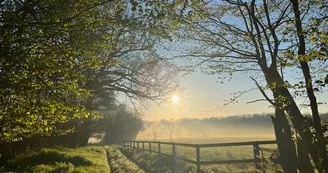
[304, 167]
[322, 162]
[286, 146]
[84, 132]
[171, 133]
[297, 119]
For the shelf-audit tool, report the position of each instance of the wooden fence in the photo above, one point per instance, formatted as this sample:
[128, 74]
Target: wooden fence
[257, 151]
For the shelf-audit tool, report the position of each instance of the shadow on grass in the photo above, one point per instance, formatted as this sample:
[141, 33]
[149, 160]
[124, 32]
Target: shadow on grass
[156, 163]
[46, 157]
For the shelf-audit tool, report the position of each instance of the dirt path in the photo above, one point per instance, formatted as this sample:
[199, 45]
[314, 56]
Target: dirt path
[119, 163]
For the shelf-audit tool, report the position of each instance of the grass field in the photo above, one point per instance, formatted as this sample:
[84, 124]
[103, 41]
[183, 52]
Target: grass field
[98, 159]
[61, 160]
[206, 154]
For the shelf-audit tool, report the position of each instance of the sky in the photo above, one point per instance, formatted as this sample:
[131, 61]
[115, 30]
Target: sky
[203, 97]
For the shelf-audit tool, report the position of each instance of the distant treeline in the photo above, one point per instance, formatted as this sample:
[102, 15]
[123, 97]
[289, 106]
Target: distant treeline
[238, 125]
[247, 119]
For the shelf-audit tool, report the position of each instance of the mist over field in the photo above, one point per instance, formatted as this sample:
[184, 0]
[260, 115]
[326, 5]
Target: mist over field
[236, 126]
[213, 129]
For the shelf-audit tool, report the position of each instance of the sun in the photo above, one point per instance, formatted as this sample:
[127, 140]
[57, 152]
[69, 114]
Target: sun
[175, 99]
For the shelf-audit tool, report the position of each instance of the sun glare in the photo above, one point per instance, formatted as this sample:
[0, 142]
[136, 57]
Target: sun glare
[175, 99]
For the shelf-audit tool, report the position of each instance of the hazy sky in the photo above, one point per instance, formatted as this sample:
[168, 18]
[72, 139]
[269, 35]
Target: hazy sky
[203, 95]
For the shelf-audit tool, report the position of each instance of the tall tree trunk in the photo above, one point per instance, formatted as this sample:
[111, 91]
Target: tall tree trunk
[286, 146]
[322, 163]
[303, 157]
[84, 132]
[297, 119]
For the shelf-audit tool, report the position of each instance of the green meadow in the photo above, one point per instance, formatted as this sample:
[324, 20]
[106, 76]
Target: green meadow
[153, 162]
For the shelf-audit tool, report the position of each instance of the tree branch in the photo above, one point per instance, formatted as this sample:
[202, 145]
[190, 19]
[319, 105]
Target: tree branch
[262, 91]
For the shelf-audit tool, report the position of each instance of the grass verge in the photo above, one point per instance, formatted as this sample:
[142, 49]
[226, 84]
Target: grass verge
[61, 160]
[152, 162]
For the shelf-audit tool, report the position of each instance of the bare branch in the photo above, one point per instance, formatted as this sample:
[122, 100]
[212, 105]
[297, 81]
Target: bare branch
[233, 99]
[258, 100]
[262, 91]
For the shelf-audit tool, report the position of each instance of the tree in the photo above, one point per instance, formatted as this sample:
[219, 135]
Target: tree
[168, 127]
[52, 55]
[61, 62]
[138, 72]
[304, 58]
[155, 128]
[50, 49]
[246, 36]
[43, 49]
[119, 124]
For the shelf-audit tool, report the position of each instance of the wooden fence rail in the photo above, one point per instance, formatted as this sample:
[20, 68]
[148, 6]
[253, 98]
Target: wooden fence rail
[257, 151]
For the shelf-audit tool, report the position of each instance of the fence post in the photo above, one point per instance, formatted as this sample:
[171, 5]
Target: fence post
[159, 148]
[150, 147]
[138, 144]
[134, 144]
[143, 145]
[256, 150]
[198, 158]
[174, 170]
[263, 162]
